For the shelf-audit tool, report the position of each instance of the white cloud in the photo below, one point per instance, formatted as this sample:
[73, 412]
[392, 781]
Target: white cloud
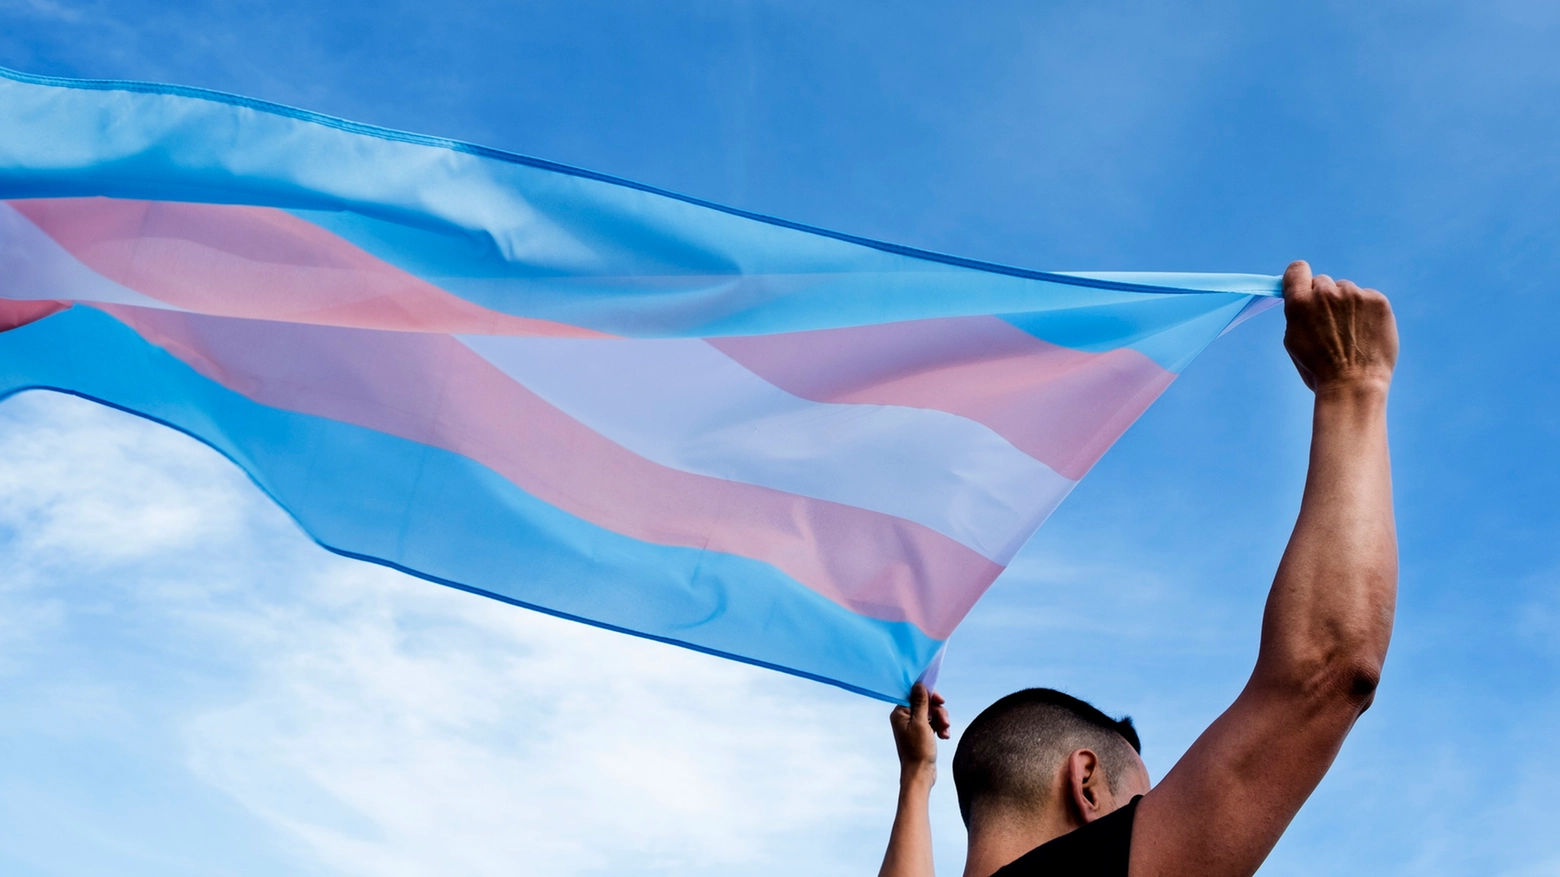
[383, 725]
[82, 484]
[443, 733]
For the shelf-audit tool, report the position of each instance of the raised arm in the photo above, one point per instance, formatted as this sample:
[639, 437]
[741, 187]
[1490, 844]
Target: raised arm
[916, 729]
[1328, 618]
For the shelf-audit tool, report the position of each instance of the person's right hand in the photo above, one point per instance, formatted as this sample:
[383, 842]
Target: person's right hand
[917, 727]
[1337, 333]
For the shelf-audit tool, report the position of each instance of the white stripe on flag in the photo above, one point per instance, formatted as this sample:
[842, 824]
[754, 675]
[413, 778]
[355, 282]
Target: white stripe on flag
[687, 406]
[35, 268]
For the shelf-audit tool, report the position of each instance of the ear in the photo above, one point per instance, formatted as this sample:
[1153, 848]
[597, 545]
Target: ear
[1088, 790]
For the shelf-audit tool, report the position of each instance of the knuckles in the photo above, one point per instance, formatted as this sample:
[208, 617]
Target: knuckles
[1322, 296]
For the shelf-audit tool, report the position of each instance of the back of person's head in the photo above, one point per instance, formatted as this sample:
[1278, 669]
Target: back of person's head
[1010, 756]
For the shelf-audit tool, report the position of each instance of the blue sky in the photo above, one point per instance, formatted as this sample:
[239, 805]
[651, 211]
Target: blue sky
[188, 686]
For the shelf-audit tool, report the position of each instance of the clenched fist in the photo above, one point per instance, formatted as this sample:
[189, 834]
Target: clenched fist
[1337, 334]
[917, 727]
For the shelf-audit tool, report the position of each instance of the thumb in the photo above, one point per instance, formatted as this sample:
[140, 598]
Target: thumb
[1297, 279]
[919, 703]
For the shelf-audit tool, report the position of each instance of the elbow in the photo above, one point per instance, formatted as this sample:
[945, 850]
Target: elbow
[1328, 682]
[1349, 680]
[1360, 682]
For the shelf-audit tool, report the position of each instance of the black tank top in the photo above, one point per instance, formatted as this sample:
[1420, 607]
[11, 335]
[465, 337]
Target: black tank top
[1100, 849]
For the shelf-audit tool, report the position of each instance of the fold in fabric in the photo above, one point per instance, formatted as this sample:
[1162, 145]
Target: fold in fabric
[778, 444]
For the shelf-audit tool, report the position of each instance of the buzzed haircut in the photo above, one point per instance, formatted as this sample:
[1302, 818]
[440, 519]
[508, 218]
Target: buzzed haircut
[1012, 751]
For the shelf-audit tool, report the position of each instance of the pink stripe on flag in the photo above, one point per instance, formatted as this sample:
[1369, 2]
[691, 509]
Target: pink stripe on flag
[235, 260]
[1062, 406]
[434, 390]
[14, 314]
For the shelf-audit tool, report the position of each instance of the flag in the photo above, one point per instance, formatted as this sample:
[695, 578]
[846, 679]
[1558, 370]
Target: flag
[775, 443]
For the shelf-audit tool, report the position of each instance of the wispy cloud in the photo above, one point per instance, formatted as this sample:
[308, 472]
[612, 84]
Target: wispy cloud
[431, 732]
[383, 725]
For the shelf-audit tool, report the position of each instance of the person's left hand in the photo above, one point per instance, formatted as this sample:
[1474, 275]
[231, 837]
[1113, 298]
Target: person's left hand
[917, 727]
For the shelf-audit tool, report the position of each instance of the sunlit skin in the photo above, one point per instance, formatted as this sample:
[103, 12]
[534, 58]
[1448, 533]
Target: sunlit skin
[1325, 632]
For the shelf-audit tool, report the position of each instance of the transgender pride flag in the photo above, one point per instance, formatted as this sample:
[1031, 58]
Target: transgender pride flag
[570, 392]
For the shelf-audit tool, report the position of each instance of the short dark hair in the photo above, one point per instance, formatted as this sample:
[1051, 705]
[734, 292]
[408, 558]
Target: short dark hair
[1011, 752]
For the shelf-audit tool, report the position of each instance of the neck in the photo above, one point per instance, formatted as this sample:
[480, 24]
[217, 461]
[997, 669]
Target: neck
[997, 838]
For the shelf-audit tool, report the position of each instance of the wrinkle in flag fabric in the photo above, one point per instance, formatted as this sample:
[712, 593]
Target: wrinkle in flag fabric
[774, 443]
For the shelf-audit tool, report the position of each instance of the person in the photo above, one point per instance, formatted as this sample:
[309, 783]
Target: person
[1047, 784]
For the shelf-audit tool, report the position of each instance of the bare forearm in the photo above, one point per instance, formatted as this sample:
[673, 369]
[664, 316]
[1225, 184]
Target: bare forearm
[910, 841]
[1329, 614]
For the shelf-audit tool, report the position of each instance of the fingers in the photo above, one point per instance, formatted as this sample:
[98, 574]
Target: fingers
[936, 714]
[925, 709]
[898, 718]
[940, 723]
[1301, 286]
[1298, 281]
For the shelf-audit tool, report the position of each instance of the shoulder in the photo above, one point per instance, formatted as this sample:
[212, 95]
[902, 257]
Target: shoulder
[1102, 848]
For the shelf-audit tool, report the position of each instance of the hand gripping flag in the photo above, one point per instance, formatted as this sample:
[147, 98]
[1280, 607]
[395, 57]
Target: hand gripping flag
[779, 444]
